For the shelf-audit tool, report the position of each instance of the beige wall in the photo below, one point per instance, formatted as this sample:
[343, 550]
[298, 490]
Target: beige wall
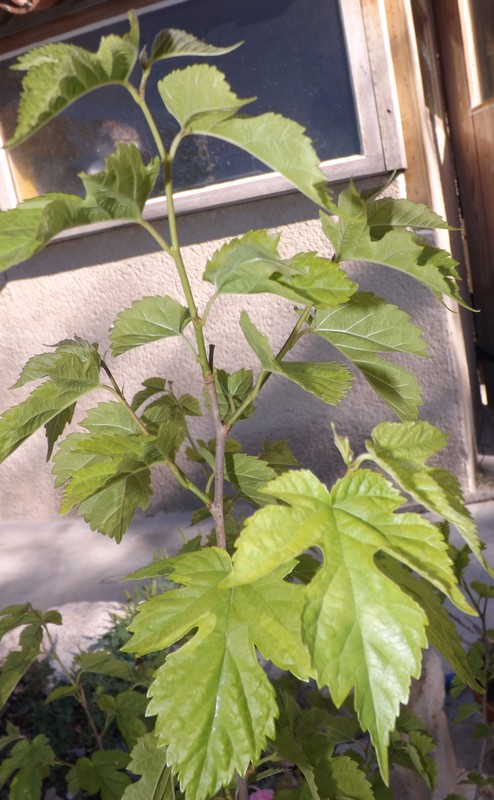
[79, 286]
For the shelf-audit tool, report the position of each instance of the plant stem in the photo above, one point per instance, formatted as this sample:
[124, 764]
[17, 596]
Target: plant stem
[221, 431]
[242, 788]
[81, 693]
[265, 374]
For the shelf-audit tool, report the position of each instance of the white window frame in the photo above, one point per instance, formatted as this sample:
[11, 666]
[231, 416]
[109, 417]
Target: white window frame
[378, 118]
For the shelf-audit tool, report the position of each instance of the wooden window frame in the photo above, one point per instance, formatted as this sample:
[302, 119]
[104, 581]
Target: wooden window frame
[370, 66]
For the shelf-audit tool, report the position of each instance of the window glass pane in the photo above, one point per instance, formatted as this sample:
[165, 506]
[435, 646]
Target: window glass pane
[293, 58]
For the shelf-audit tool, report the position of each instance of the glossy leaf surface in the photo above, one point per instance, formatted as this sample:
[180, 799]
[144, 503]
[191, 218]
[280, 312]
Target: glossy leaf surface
[362, 630]
[223, 724]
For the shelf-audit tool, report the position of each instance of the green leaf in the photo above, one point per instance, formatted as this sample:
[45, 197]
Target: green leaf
[231, 391]
[18, 661]
[222, 725]
[58, 74]
[148, 760]
[56, 426]
[171, 43]
[128, 709]
[387, 213]
[27, 765]
[147, 320]
[252, 265]
[116, 193]
[73, 372]
[402, 450]
[278, 455]
[327, 381]
[365, 326]
[199, 94]
[104, 663]
[249, 475]
[399, 249]
[442, 632]
[362, 630]
[100, 773]
[201, 100]
[110, 418]
[152, 386]
[121, 189]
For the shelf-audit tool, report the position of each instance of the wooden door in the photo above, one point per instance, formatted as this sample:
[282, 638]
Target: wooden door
[465, 30]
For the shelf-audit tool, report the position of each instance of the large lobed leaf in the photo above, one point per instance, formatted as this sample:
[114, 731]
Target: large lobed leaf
[58, 74]
[364, 327]
[202, 101]
[362, 630]
[223, 724]
[328, 381]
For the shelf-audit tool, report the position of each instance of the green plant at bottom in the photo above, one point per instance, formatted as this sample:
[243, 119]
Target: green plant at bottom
[338, 586]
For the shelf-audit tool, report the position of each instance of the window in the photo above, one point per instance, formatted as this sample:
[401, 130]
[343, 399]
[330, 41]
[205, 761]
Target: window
[306, 59]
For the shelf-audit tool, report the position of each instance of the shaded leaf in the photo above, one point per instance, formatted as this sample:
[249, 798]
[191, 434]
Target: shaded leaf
[57, 74]
[387, 213]
[56, 426]
[100, 773]
[231, 391]
[249, 475]
[328, 381]
[278, 455]
[148, 760]
[365, 326]
[221, 726]
[104, 663]
[147, 320]
[171, 43]
[26, 766]
[128, 709]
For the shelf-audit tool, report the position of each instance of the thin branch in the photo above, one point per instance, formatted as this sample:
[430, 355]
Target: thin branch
[221, 431]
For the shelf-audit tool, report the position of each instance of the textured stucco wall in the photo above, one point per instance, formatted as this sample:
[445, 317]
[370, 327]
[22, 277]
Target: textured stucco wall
[79, 286]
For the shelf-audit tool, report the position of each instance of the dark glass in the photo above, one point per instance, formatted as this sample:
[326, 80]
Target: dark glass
[293, 57]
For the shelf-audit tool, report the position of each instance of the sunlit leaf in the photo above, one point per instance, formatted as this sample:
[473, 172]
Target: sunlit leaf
[397, 248]
[389, 212]
[402, 450]
[147, 320]
[362, 630]
[72, 373]
[222, 725]
[199, 94]
[248, 474]
[252, 265]
[57, 74]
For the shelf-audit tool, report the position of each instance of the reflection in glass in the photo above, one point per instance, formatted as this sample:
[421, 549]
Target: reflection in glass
[294, 56]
